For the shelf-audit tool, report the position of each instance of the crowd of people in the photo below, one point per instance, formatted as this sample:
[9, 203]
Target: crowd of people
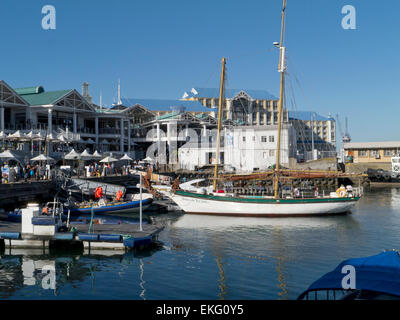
[18, 172]
[13, 171]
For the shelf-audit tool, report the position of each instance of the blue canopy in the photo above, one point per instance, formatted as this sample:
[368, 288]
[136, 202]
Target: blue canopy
[379, 273]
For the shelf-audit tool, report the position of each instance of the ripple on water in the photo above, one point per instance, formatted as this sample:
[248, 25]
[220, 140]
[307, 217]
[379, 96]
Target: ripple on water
[208, 257]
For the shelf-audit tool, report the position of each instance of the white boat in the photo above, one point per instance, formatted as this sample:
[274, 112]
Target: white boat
[230, 205]
[202, 201]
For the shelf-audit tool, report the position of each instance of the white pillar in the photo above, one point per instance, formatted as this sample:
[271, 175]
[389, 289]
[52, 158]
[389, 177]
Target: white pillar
[229, 109]
[158, 141]
[122, 136]
[169, 140]
[50, 120]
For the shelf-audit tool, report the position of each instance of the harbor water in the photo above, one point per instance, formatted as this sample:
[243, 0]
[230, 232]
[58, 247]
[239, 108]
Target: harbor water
[208, 257]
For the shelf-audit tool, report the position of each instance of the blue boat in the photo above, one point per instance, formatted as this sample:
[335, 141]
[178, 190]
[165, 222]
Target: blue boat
[111, 207]
[369, 278]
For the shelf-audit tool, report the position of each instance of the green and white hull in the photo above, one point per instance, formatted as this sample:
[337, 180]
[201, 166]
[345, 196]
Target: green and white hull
[196, 203]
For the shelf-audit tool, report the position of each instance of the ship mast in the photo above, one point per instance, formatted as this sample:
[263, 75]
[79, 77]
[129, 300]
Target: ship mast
[280, 105]
[220, 104]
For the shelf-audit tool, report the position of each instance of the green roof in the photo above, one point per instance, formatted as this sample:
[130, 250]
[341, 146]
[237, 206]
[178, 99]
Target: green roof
[201, 116]
[44, 98]
[168, 115]
[29, 90]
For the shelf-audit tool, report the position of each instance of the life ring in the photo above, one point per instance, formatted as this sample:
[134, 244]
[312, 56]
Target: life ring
[98, 193]
[119, 194]
[341, 192]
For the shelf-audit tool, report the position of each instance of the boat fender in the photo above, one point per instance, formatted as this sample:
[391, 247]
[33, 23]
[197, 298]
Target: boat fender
[297, 192]
[102, 203]
[316, 192]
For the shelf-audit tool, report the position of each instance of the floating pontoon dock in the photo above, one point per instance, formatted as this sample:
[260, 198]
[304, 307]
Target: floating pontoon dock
[41, 232]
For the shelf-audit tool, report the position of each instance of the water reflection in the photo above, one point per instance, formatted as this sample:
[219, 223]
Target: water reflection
[211, 222]
[48, 272]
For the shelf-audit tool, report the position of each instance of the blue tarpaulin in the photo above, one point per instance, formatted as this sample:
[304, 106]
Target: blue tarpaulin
[379, 273]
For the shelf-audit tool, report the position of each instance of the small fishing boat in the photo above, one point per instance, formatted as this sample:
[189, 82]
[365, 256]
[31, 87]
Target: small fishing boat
[367, 278]
[100, 207]
[111, 207]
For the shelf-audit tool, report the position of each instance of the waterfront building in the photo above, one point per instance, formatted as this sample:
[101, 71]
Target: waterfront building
[245, 107]
[165, 127]
[315, 134]
[371, 152]
[243, 149]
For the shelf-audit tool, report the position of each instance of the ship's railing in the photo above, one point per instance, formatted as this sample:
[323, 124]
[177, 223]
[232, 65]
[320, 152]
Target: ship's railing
[288, 193]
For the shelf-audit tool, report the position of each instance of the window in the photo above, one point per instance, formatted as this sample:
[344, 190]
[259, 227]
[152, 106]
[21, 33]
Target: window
[244, 139]
[271, 153]
[254, 138]
[263, 139]
[362, 153]
[271, 139]
[389, 153]
[374, 153]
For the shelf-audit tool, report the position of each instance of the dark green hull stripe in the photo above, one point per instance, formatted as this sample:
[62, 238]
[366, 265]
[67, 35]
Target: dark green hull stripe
[259, 200]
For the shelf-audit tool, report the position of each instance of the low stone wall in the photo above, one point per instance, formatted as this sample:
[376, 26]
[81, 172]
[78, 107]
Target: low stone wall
[363, 167]
[320, 164]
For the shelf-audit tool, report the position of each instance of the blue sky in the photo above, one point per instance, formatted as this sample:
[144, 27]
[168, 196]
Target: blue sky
[159, 49]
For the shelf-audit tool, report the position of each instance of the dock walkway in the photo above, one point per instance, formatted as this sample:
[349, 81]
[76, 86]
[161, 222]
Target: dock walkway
[101, 236]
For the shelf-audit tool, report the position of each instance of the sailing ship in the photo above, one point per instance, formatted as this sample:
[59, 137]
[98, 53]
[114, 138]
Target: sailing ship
[281, 202]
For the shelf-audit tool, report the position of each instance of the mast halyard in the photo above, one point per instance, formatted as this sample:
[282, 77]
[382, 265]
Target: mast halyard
[280, 105]
[220, 104]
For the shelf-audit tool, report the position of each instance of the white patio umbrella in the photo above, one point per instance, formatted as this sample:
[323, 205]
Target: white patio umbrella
[108, 160]
[90, 141]
[105, 141]
[73, 155]
[8, 155]
[3, 135]
[42, 157]
[85, 155]
[126, 157]
[148, 159]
